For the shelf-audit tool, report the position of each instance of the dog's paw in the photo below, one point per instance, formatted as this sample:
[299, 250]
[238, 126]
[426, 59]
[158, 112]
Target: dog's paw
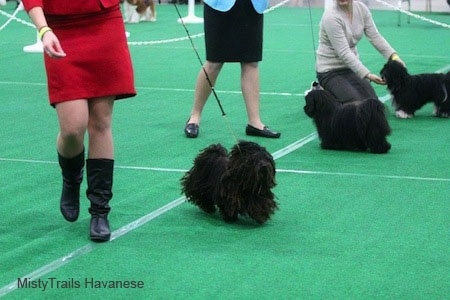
[381, 148]
[440, 114]
[402, 115]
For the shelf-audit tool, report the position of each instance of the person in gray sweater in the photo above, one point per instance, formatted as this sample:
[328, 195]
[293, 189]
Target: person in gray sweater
[338, 66]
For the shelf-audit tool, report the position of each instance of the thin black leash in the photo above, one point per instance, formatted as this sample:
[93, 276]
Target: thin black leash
[312, 31]
[200, 60]
[315, 85]
[207, 77]
[312, 37]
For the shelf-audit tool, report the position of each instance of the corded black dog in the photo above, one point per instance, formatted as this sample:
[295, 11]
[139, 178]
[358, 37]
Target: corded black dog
[236, 184]
[357, 126]
[412, 92]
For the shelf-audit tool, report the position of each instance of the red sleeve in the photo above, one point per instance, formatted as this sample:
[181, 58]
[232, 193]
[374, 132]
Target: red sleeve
[29, 4]
[70, 7]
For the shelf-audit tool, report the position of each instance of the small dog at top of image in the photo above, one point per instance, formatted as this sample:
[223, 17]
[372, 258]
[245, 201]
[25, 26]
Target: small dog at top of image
[236, 184]
[411, 92]
[136, 11]
[357, 126]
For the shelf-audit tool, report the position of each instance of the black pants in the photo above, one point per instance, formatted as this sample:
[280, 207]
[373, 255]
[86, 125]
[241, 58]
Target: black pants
[346, 86]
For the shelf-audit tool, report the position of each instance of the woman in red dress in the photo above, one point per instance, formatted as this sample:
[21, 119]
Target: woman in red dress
[88, 67]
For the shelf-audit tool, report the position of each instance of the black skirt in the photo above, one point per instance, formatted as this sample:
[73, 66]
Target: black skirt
[235, 35]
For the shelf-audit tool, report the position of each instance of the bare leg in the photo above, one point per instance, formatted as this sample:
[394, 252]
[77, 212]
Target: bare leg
[100, 166]
[250, 91]
[100, 128]
[203, 89]
[73, 122]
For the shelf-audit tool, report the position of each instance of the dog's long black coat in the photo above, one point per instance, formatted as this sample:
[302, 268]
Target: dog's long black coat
[238, 183]
[411, 92]
[357, 126]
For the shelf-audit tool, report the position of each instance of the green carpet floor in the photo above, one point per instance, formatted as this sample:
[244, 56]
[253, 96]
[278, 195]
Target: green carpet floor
[350, 225]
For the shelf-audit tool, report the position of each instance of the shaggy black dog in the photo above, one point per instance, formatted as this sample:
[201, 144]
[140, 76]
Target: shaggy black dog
[357, 126]
[238, 183]
[411, 92]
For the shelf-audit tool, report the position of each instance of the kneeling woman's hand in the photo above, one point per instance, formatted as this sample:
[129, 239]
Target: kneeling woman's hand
[374, 78]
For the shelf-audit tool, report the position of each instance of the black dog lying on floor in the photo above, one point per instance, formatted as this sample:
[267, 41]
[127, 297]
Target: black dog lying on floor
[411, 92]
[236, 184]
[357, 126]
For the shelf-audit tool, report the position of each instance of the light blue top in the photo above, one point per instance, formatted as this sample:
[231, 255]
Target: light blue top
[226, 5]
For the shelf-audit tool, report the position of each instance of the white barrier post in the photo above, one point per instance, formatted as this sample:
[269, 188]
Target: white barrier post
[191, 18]
[36, 47]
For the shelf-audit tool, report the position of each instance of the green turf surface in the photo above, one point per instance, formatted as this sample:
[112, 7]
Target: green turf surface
[350, 225]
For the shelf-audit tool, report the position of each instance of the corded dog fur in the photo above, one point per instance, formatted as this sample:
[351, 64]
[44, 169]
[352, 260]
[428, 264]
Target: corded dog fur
[411, 92]
[357, 126]
[236, 184]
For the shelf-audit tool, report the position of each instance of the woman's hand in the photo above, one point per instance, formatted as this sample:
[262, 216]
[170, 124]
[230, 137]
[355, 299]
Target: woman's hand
[49, 40]
[51, 44]
[374, 78]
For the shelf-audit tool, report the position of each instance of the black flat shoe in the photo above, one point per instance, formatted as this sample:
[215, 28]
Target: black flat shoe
[191, 130]
[265, 132]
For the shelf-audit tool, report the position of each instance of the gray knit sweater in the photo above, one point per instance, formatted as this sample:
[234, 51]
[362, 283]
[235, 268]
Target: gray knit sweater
[338, 38]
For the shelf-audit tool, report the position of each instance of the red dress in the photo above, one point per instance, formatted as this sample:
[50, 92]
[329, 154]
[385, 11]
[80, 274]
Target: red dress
[97, 62]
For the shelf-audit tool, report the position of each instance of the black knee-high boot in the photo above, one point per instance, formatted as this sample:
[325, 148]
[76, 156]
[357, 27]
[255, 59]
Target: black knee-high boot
[99, 192]
[72, 173]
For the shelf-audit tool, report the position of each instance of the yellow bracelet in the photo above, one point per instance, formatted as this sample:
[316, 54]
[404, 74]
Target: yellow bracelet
[395, 57]
[43, 31]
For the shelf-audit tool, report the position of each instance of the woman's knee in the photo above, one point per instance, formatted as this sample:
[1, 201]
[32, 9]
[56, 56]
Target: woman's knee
[73, 120]
[100, 115]
[249, 65]
[72, 134]
[213, 67]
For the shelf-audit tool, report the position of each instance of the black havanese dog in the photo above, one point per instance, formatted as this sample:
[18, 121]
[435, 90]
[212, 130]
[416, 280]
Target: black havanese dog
[411, 92]
[238, 183]
[356, 126]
